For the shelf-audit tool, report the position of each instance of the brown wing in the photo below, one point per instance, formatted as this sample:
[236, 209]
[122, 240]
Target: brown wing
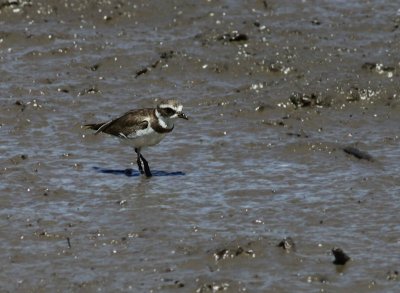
[127, 124]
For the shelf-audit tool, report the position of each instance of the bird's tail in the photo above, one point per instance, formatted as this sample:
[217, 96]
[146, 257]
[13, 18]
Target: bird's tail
[94, 126]
[99, 127]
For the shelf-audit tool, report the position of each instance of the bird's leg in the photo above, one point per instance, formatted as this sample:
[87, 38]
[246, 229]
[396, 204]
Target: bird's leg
[146, 167]
[139, 162]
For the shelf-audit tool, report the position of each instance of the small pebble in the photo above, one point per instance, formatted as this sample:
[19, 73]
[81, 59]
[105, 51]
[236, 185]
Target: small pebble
[341, 258]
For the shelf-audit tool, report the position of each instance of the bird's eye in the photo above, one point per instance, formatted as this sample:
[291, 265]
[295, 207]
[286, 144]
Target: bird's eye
[169, 111]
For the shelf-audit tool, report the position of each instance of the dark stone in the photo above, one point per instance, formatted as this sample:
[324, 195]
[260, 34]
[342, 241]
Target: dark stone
[260, 108]
[297, 134]
[287, 244]
[167, 55]
[233, 252]
[357, 153]
[91, 90]
[392, 275]
[315, 22]
[221, 254]
[234, 36]
[354, 94]
[212, 287]
[179, 284]
[368, 66]
[306, 100]
[20, 104]
[372, 66]
[164, 56]
[69, 242]
[275, 67]
[10, 3]
[239, 251]
[341, 258]
[95, 67]
[237, 37]
[387, 68]
[141, 71]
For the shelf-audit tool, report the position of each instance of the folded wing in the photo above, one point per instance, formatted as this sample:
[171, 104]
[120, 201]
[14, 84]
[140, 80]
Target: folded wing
[127, 124]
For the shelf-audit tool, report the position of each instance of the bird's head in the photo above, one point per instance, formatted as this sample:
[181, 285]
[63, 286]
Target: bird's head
[171, 109]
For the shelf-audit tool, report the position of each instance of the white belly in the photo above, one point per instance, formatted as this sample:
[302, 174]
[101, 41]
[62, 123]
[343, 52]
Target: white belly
[144, 138]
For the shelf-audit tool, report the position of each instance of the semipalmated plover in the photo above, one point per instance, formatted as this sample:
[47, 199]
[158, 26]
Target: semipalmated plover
[143, 127]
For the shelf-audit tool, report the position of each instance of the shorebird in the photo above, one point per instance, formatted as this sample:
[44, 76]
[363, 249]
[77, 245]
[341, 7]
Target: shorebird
[143, 127]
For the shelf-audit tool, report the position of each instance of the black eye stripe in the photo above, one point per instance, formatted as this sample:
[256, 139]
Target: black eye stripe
[168, 111]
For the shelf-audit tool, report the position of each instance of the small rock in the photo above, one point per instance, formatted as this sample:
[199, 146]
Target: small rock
[260, 108]
[315, 22]
[305, 100]
[94, 67]
[341, 258]
[221, 254]
[234, 36]
[213, 287]
[317, 279]
[238, 37]
[392, 275]
[122, 202]
[167, 55]
[239, 251]
[301, 134]
[231, 253]
[354, 94]
[141, 71]
[287, 244]
[20, 104]
[275, 67]
[381, 67]
[357, 153]
[91, 90]
[369, 66]
[179, 284]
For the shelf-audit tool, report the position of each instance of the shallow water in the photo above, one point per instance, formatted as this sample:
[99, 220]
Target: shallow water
[251, 167]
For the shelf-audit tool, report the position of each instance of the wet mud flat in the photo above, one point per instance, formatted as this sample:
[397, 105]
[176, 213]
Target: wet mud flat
[285, 178]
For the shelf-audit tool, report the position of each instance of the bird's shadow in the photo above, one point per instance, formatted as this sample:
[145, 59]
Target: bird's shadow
[136, 173]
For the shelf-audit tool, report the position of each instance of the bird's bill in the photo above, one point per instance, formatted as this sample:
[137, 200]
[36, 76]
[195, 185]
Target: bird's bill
[183, 115]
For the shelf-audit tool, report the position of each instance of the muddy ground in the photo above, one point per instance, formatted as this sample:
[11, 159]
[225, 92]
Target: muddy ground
[291, 150]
